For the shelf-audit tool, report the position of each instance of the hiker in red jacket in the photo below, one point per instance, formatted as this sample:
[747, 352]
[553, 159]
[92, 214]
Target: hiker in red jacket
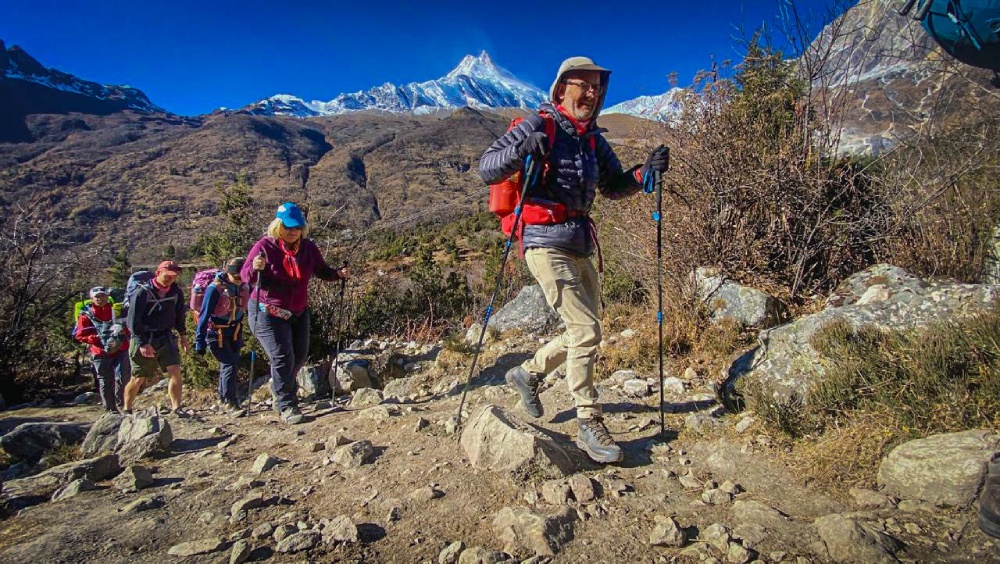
[108, 340]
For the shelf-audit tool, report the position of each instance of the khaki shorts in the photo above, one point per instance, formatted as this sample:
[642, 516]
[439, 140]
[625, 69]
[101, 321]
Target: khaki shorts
[145, 367]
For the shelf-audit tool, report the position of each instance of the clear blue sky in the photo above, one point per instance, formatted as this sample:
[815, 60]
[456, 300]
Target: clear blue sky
[191, 57]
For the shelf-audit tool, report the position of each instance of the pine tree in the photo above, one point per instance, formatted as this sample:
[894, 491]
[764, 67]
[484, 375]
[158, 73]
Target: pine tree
[120, 269]
[238, 232]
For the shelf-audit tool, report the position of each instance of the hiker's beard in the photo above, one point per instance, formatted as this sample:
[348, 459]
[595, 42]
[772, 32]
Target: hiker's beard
[582, 110]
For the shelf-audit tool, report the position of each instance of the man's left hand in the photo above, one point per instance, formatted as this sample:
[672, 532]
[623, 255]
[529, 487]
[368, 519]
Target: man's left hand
[658, 160]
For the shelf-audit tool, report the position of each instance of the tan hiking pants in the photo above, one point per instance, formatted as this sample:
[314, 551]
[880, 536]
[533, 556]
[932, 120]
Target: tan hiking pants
[572, 288]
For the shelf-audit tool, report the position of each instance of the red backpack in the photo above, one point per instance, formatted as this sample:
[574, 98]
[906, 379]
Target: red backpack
[505, 195]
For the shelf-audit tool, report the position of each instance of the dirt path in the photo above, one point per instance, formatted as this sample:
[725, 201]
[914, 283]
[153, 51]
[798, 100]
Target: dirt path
[209, 470]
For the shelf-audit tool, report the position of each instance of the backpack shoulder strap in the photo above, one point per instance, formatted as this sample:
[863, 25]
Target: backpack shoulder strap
[550, 128]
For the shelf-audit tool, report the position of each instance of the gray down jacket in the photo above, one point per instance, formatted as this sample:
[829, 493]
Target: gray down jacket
[575, 174]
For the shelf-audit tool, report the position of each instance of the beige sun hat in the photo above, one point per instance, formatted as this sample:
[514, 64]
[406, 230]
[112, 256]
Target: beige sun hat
[581, 64]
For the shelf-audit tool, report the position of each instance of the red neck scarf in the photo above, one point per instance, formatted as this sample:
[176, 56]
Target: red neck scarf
[160, 289]
[581, 126]
[291, 265]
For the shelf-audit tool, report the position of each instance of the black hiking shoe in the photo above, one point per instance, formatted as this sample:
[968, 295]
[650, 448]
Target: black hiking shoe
[233, 409]
[989, 501]
[291, 415]
[526, 384]
[594, 439]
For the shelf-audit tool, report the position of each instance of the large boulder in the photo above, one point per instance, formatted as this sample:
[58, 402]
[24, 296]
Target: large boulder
[946, 470]
[143, 435]
[352, 375]
[526, 533]
[103, 435]
[495, 439]
[746, 306]
[786, 366]
[31, 441]
[528, 312]
[40, 487]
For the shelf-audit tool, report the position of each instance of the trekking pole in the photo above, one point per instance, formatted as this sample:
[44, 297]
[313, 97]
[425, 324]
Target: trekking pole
[654, 182]
[253, 353]
[340, 317]
[529, 178]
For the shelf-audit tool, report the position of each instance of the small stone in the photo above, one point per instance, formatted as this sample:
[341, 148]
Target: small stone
[556, 492]
[143, 504]
[731, 488]
[354, 455]
[627, 334]
[426, 494]
[341, 529]
[716, 497]
[240, 552]
[317, 447]
[913, 528]
[421, 424]
[635, 388]
[262, 530]
[282, 531]
[302, 525]
[194, 548]
[134, 478]
[737, 554]
[777, 556]
[583, 488]
[73, 488]
[869, 499]
[451, 425]
[395, 514]
[297, 542]
[216, 430]
[667, 533]
[717, 536]
[263, 463]
[247, 503]
[743, 424]
[689, 481]
[337, 440]
[450, 553]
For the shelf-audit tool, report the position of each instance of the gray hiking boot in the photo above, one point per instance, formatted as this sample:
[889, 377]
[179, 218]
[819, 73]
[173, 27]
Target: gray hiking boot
[291, 415]
[989, 500]
[526, 384]
[594, 439]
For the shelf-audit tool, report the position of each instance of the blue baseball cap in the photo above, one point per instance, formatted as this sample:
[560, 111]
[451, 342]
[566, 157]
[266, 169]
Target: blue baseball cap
[290, 215]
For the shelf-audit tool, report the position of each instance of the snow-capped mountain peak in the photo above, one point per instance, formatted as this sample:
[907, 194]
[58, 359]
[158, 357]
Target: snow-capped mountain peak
[476, 81]
[478, 67]
[663, 107]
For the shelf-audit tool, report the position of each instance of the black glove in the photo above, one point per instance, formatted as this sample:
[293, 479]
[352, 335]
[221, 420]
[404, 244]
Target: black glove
[657, 160]
[536, 144]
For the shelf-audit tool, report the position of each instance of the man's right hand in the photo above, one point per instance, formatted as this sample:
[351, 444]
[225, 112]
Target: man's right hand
[535, 144]
[147, 351]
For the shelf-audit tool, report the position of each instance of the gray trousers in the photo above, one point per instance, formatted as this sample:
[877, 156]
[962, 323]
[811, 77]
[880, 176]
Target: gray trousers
[286, 343]
[112, 374]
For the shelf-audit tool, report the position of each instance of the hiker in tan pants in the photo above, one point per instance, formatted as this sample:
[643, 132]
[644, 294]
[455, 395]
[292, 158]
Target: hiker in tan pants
[572, 288]
[559, 237]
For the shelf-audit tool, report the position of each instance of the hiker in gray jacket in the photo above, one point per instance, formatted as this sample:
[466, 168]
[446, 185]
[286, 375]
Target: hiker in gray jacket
[558, 242]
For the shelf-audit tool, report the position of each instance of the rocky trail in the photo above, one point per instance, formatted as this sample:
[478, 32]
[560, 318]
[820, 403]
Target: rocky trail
[385, 476]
